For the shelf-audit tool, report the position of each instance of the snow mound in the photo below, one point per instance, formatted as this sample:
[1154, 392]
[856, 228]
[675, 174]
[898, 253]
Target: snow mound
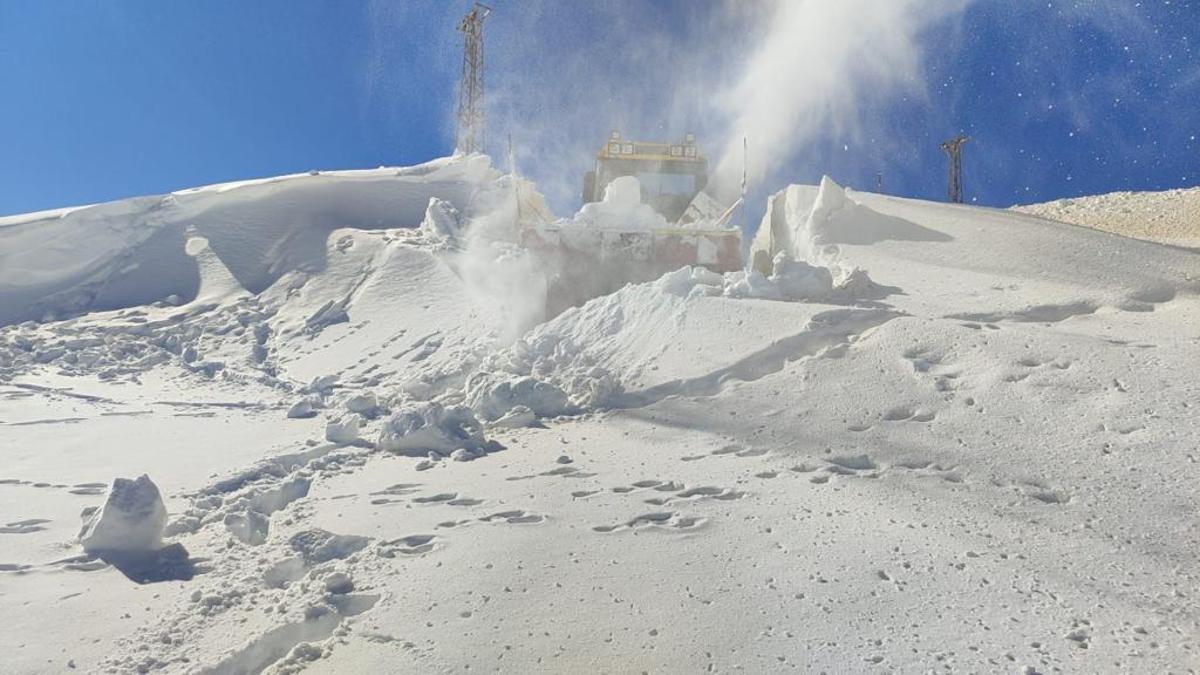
[430, 427]
[131, 521]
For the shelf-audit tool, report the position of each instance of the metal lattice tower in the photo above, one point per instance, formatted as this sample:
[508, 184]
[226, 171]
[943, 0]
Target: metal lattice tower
[953, 148]
[470, 87]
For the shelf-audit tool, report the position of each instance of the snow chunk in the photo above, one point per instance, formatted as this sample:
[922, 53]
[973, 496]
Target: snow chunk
[684, 280]
[493, 397]
[342, 430]
[798, 280]
[517, 418]
[790, 280]
[339, 583]
[624, 193]
[364, 404]
[442, 224]
[302, 409]
[622, 208]
[131, 520]
[431, 427]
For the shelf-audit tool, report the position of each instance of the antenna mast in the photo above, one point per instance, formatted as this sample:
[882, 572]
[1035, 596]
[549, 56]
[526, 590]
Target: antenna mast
[470, 87]
[953, 148]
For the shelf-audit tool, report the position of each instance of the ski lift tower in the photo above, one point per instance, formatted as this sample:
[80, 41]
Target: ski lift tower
[953, 148]
[470, 87]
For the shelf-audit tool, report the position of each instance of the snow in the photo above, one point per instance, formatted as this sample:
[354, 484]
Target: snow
[911, 435]
[132, 519]
[1169, 217]
[132, 252]
[432, 428]
[621, 209]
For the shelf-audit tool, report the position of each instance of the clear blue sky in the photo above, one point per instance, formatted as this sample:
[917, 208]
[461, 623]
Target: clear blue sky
[105, 99]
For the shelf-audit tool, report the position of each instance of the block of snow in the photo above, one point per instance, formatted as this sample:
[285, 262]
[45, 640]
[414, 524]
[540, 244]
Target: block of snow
[132, 519]
[517, 418]
[342, 430]
[684, 280]
[796, 280]
[624, 192]
[621, 209]
[442, 224]
[363, 404]
[339, 583]
[323, 384]
[302, 409]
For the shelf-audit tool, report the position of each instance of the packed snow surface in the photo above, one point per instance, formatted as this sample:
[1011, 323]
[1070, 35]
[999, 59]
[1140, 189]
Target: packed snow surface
[910, 437]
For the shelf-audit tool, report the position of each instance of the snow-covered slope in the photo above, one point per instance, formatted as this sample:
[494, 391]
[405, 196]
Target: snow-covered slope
[981, 457]
[1170, 217]
[132, 252]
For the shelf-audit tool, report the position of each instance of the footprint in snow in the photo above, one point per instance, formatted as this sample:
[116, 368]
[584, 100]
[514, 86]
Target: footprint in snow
[414, 544]
[668, 520]
[437, 499]
[515, 517]
[24, 526]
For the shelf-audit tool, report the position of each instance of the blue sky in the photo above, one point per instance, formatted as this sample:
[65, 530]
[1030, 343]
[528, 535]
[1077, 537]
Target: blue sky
[113, 98]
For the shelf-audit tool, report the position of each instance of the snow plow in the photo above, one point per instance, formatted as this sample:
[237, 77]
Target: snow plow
[644, 214]
[588, 262]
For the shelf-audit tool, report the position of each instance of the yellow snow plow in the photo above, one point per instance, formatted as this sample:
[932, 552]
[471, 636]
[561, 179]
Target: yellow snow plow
[640, 220]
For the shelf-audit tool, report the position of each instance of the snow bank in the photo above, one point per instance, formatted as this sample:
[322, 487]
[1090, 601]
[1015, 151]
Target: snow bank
[136, 252]
[132, 519]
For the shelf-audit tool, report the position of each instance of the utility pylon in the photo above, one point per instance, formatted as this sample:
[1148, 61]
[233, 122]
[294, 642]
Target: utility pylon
[953, 148]
[470, 87]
